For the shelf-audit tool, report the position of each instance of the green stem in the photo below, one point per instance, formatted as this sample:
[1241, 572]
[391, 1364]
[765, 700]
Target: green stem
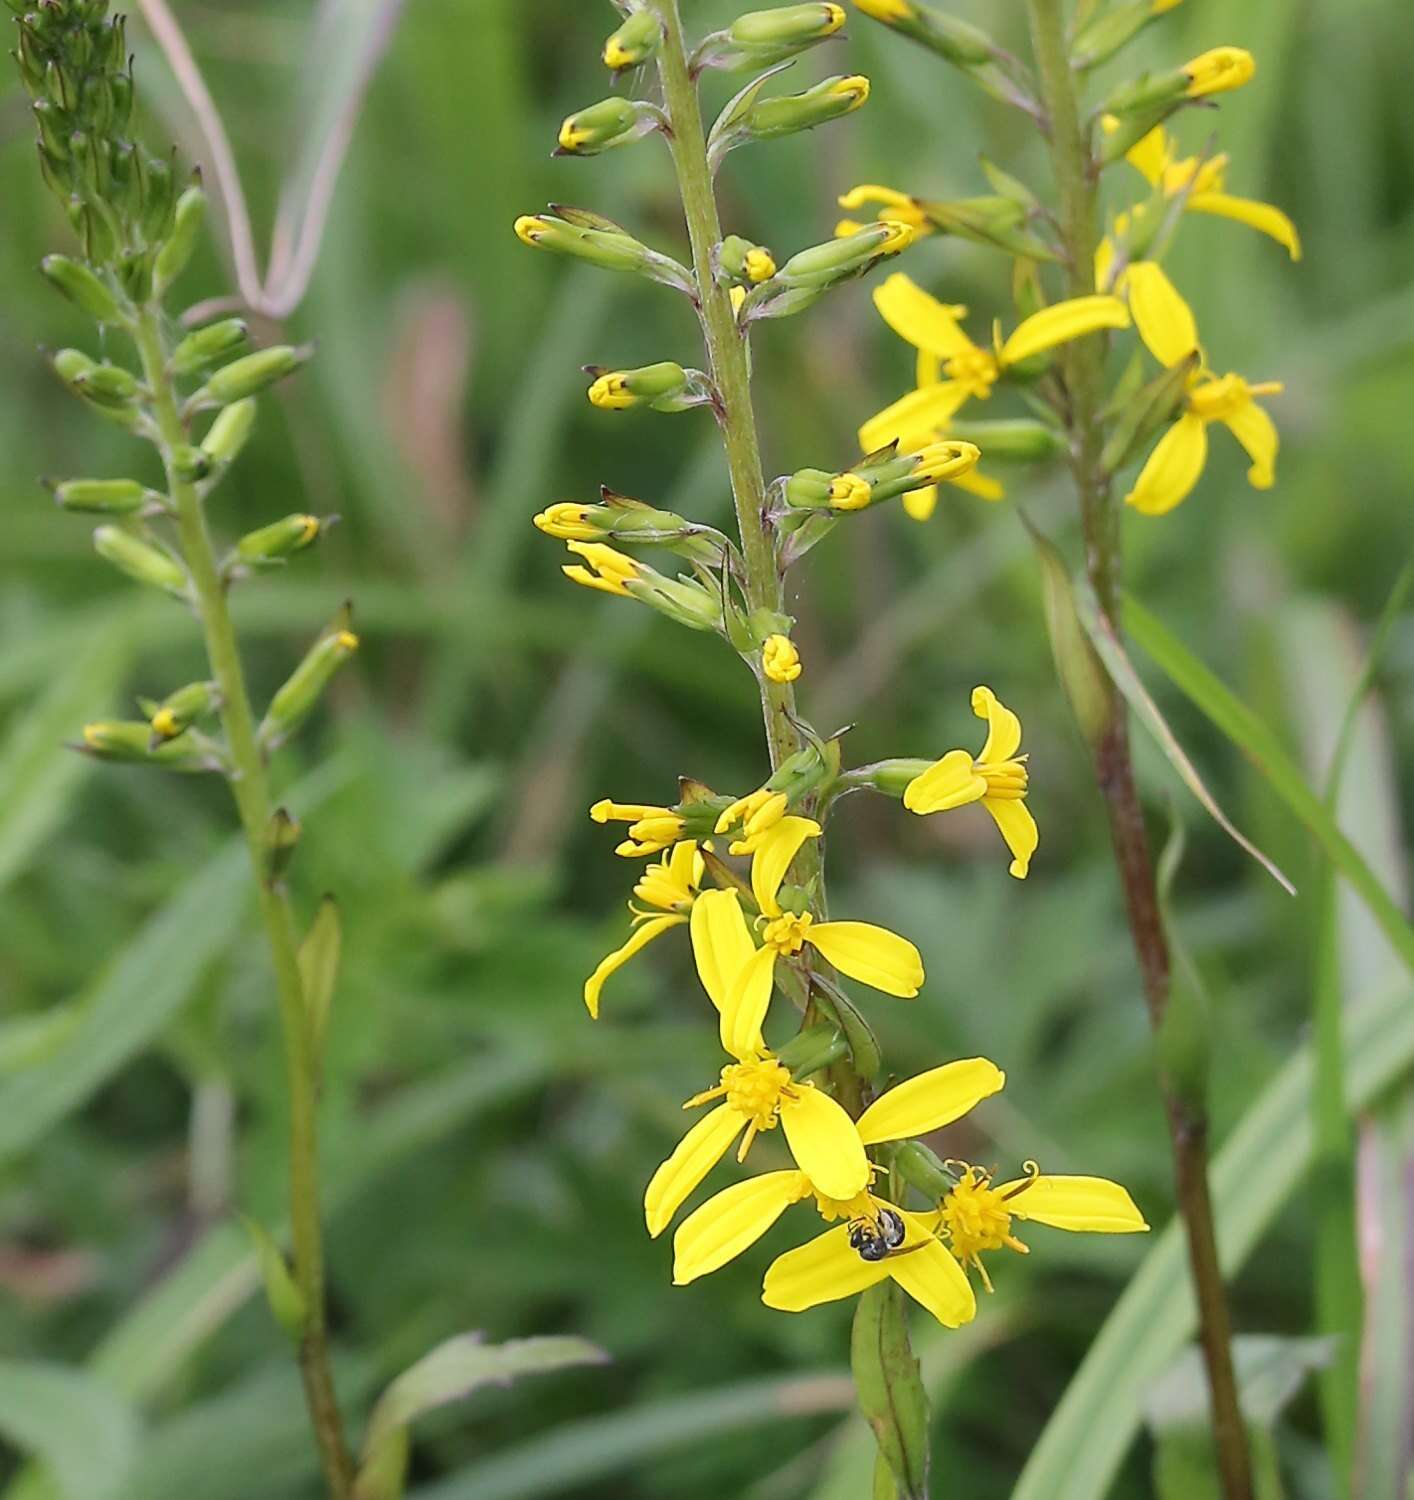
[1082, 367]
[250, 787]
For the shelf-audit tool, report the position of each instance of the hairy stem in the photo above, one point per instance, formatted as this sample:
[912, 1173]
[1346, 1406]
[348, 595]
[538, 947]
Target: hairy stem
[251, 789]
[1076, 173]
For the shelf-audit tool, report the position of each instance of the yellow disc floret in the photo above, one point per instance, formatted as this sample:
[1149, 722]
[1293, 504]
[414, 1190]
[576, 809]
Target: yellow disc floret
[780, 661]
[974, 1218]
[786, 933]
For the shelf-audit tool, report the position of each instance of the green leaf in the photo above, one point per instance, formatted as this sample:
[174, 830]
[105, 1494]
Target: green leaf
[1266, 1157]
[1126, 679]
[1262, 747]
[319, 970]
[451, 1372]
[129, 1005]
[38, 772]
[284, 1296]
[578, 1453]
[74, 1424]
[891, 1393]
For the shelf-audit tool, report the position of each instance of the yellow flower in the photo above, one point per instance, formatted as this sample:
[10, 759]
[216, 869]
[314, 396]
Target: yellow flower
[754, 816]
[1166, 324]
[952, 369]
[894, 208]
[780, 660]
[757, 1091]
[1156, 157]
[758, 264]
[975, 1217]
[733, 1220]
[652, 828]
[996, 779]
[1217, 71]
[608, 568]
[668, 888]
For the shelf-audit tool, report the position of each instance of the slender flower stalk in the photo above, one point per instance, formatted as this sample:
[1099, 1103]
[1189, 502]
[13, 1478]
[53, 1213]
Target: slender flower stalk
[1076, 175]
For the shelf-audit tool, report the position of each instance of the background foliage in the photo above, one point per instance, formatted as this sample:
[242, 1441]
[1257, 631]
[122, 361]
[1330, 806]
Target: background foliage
[487, 1145]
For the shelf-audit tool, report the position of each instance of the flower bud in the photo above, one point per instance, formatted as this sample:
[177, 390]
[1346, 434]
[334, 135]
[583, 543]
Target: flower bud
[602, 244]
[108, 497]
[611, 122]
[995, 220]
[1146, 412]
[762, 38]
[572, 523]
[923, 1169]
[839, 259]
[962, 44]
[287, 1302]
[130, 740]
[293, 703]
[780, 661]
[665, 387]
[812, 1049]
[176, 253]
[282, 835]
[207, 345]
[634, 42]
[228, 433]
[1113, 29]
[180, 710]
[768, 119]
[111, 388]
[1020, 438]
[140, 560]
[250, 374]
[1083, 677]
[190, 463]
[279, 540]
[1218, 70]
[741, 261]
[82, 287]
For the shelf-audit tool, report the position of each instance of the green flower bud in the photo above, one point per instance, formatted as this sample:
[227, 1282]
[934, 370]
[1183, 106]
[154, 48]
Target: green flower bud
[130, 740]
[109, 387]
[287, 1302]
[1019, 438]
[611, 122]
[964, 45]
[808, 489]
[140, 560]
[82, 287]
[602, 243]
[741, 261]
[992, 220]
[764, 37]
[279, 540]
[809, 274]
[228, 433]
[250, 374]
[634, 42]
[207, 345]
[768, 119]
[665, 387]
[187, 220]
[812, 1049]
[293, 703]
[180, 710]
[109, 497]
[1113, 29]
[923, 1169]
[1146, 413]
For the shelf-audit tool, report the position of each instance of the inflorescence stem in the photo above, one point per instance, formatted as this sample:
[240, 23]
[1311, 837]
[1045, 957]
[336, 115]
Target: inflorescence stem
[1082, 363]
[250, 787]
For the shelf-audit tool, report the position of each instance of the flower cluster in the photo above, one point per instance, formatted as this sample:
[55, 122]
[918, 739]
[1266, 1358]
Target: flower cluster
[760, 928]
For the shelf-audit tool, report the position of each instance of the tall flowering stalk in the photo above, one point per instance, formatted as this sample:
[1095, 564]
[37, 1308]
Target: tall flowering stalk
[191, 397]
[808, 1066]
[1156, 415]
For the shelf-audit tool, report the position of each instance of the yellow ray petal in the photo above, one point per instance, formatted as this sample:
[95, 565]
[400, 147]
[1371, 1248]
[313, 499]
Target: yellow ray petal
[920, 504]
[1265, 218]
[1172, 469]
[694, 1157]
[732, 1221]
[683, 864]
[639, 939]
[1163, 318]
[1150, 154]
[872, 955]
[823, 1271]
[1062, 322]
[773, 858]
[929, 1101]
[824, 1142]
[1017, 826]
[922, 320]
[747, 1003]
[975, 483]
[928, 369]
[1253, 427]
[931, 1275]
[1083, 1203]
[915, 419]
[721, 942]
[1003, 726]
[949, 782]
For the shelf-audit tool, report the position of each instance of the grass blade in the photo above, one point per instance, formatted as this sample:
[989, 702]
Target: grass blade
[84, 1434]
[1268, 1154]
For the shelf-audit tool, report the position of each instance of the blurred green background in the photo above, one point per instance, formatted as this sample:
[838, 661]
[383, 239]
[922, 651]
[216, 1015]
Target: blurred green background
[487, 1146]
